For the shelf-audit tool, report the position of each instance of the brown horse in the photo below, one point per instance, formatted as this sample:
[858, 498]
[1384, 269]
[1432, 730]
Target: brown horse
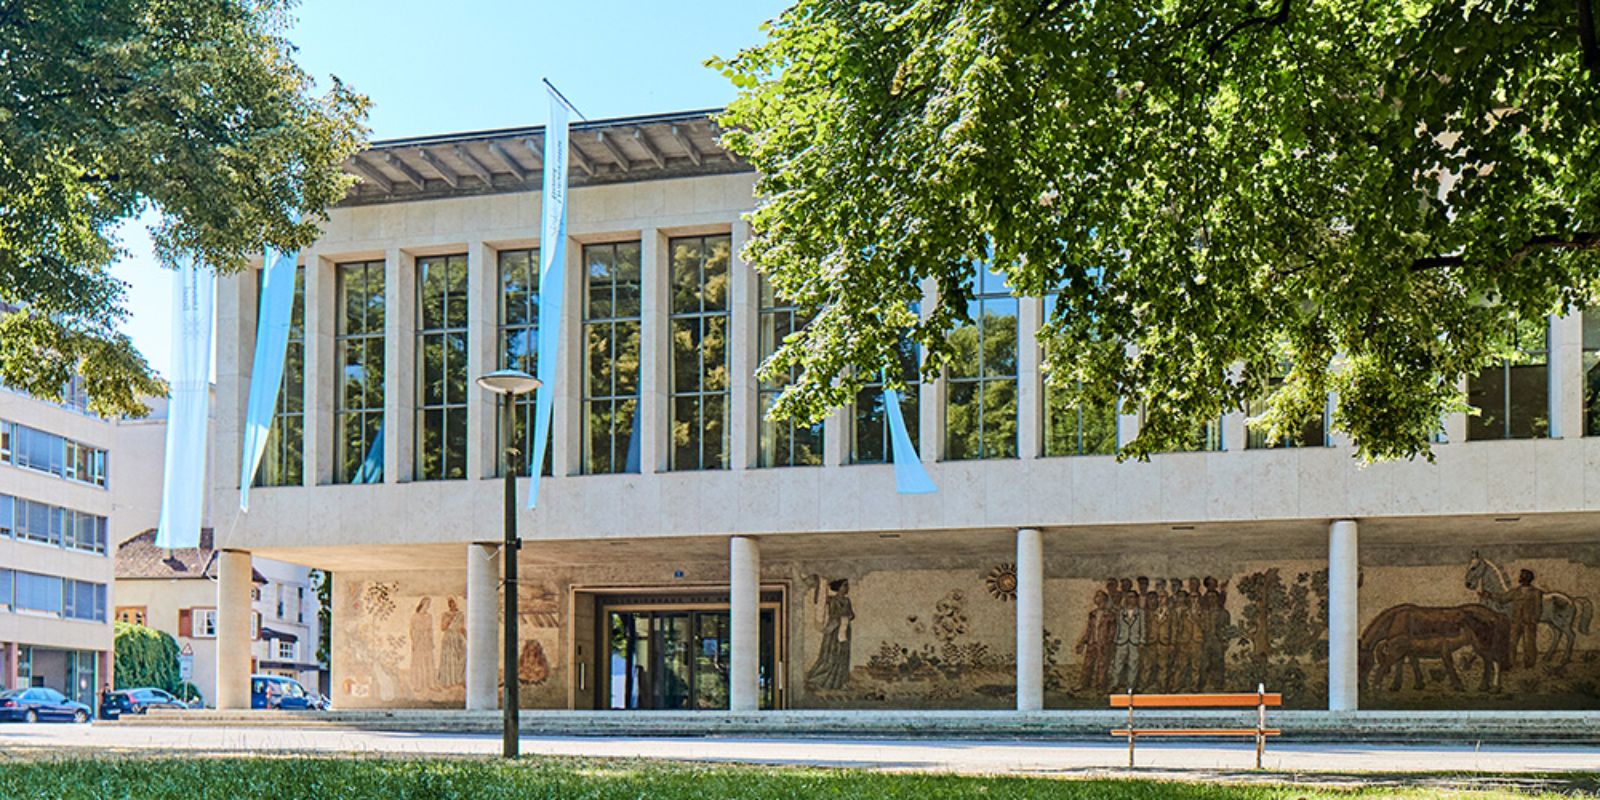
[1411, 632]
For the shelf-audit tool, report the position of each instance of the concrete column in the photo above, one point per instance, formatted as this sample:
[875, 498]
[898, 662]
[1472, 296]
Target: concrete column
[1455, 425]
[566, 415]
[744, 624]
[930, 399]
[1030, 620]
[743, 354]
[321, 324]
[1566, 375]
[233, 629]
[1030, 381]
[399, 366]
[1344, 570]
[483, 626]
[837, 430]
[107, 670]
[655, 349]
[483, 336]
[8, 666]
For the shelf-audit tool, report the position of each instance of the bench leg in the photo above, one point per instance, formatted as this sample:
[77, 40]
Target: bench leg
[1261, 745]
[1130, 751]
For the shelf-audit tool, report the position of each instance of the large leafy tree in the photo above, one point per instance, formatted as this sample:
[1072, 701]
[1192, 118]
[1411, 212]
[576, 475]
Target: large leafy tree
[1353, 195]
[191, 109]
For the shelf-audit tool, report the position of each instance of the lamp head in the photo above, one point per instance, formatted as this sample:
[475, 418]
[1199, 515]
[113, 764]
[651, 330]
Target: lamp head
[508, 382]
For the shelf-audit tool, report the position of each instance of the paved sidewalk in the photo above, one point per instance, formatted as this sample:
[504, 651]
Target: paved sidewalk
[967, 756]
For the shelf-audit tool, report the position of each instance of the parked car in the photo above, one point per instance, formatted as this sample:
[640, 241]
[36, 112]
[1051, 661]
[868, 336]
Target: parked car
[41, 705]
[278, 692]
[139, 701]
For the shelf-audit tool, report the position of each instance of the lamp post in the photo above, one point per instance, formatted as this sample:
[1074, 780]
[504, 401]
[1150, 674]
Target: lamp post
[508, 383]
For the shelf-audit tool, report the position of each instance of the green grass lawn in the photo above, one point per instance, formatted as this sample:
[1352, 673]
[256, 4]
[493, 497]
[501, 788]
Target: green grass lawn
[483, 779]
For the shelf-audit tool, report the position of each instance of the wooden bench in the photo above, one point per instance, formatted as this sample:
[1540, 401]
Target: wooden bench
[1260, 700]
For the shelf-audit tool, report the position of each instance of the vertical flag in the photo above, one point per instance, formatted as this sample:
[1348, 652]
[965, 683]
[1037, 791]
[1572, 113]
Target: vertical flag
[183, 488]
[276, 310]
[910, 477]
[552, 284]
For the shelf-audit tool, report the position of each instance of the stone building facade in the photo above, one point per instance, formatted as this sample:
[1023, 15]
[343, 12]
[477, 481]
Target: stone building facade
[688, 553]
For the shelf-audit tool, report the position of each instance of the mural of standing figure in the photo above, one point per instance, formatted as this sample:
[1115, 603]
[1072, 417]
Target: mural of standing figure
[1129, 640]
[1156, 660]
[422, 669]
[1523, 604]
[831, 670]
[1566, 615]
[1095, 643]
[1214, 625]
[1187, 638]
[452, 645]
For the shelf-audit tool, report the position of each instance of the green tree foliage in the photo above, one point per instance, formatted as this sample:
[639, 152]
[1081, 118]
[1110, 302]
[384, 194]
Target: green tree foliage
[191, 109]
[1363, 189]
[323, 585]
[146, 658]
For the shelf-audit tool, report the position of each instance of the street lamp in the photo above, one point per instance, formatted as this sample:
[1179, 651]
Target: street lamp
[508, 383]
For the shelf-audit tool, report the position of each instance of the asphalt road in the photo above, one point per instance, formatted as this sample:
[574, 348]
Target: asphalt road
[966, 756]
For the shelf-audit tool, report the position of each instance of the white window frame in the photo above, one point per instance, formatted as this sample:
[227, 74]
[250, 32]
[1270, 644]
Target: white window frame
[286, 650]
[198, 627]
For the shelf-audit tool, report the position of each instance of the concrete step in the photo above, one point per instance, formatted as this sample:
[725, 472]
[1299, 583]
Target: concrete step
[1531, 727]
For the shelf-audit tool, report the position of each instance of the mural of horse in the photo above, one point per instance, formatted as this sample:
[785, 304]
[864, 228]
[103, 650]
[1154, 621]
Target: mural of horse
[1411, 633]
[1566, 615]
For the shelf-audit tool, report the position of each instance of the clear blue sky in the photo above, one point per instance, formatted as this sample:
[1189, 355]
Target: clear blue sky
[431, 67]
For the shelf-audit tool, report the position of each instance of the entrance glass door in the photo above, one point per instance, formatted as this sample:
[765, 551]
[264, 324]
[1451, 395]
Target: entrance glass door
[677, 658]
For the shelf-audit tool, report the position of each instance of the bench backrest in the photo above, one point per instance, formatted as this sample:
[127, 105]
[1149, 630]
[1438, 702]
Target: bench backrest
[1239, 700]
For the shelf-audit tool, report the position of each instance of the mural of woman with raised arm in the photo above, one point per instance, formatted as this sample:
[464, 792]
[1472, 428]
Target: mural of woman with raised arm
[832, 667]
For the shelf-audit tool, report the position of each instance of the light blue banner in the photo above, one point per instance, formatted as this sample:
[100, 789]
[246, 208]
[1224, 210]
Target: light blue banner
[552, 285]
[371, 470]
[276, 312]
[910, 477]
[183, 487]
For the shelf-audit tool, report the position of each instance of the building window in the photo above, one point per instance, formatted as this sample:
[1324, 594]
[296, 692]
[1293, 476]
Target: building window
[8, 515]
[286, 650]
[784, 443]
[519, 349]
[981, 404]
[37, 450]
[1513, 397]
[205, 623]
[1591, 374]
[132, 615]
[5, 589]
[358, 346]
[281, 589]
[1313, 433]
[283, 464]
[870, 435]
[300, 604]
[441, 368]
[84, 600]
[38, 593]
[611, 358]
[1085, 430]
[699, 325]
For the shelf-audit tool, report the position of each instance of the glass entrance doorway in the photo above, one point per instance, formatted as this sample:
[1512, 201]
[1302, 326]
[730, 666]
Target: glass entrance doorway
[676, 656]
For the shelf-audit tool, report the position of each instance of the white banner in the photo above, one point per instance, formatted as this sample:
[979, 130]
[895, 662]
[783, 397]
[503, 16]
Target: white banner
[552, 282]
[183, 490]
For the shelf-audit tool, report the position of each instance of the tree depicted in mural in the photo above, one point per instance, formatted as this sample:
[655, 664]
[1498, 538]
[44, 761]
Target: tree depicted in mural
[1283, 630]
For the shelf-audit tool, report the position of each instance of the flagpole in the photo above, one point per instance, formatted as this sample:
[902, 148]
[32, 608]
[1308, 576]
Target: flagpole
[564, 100]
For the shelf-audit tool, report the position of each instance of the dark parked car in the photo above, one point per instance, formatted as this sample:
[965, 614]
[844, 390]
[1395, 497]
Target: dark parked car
[138, 701]
[276, 691]
[41, 705]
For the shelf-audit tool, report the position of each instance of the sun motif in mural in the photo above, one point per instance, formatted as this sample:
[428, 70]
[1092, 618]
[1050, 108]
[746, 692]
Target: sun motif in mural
[1002, 582]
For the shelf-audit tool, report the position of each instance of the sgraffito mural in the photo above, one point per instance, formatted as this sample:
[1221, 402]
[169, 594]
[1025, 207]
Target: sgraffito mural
[402, 641]
[1491, 631]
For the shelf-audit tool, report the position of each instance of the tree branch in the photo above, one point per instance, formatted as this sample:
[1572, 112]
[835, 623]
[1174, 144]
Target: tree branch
[1586, 38]
[1273, 20]
[1577, 241]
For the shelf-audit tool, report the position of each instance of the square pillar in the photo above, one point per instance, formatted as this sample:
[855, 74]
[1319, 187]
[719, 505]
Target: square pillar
[1030, 620]
[743, 354]
[1344, 570]
[8, 666]
[483, 625]
[1566, 375]
[233, 629]
[107, 670]
[399, 365]
[744, 624]
[1030, 381]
